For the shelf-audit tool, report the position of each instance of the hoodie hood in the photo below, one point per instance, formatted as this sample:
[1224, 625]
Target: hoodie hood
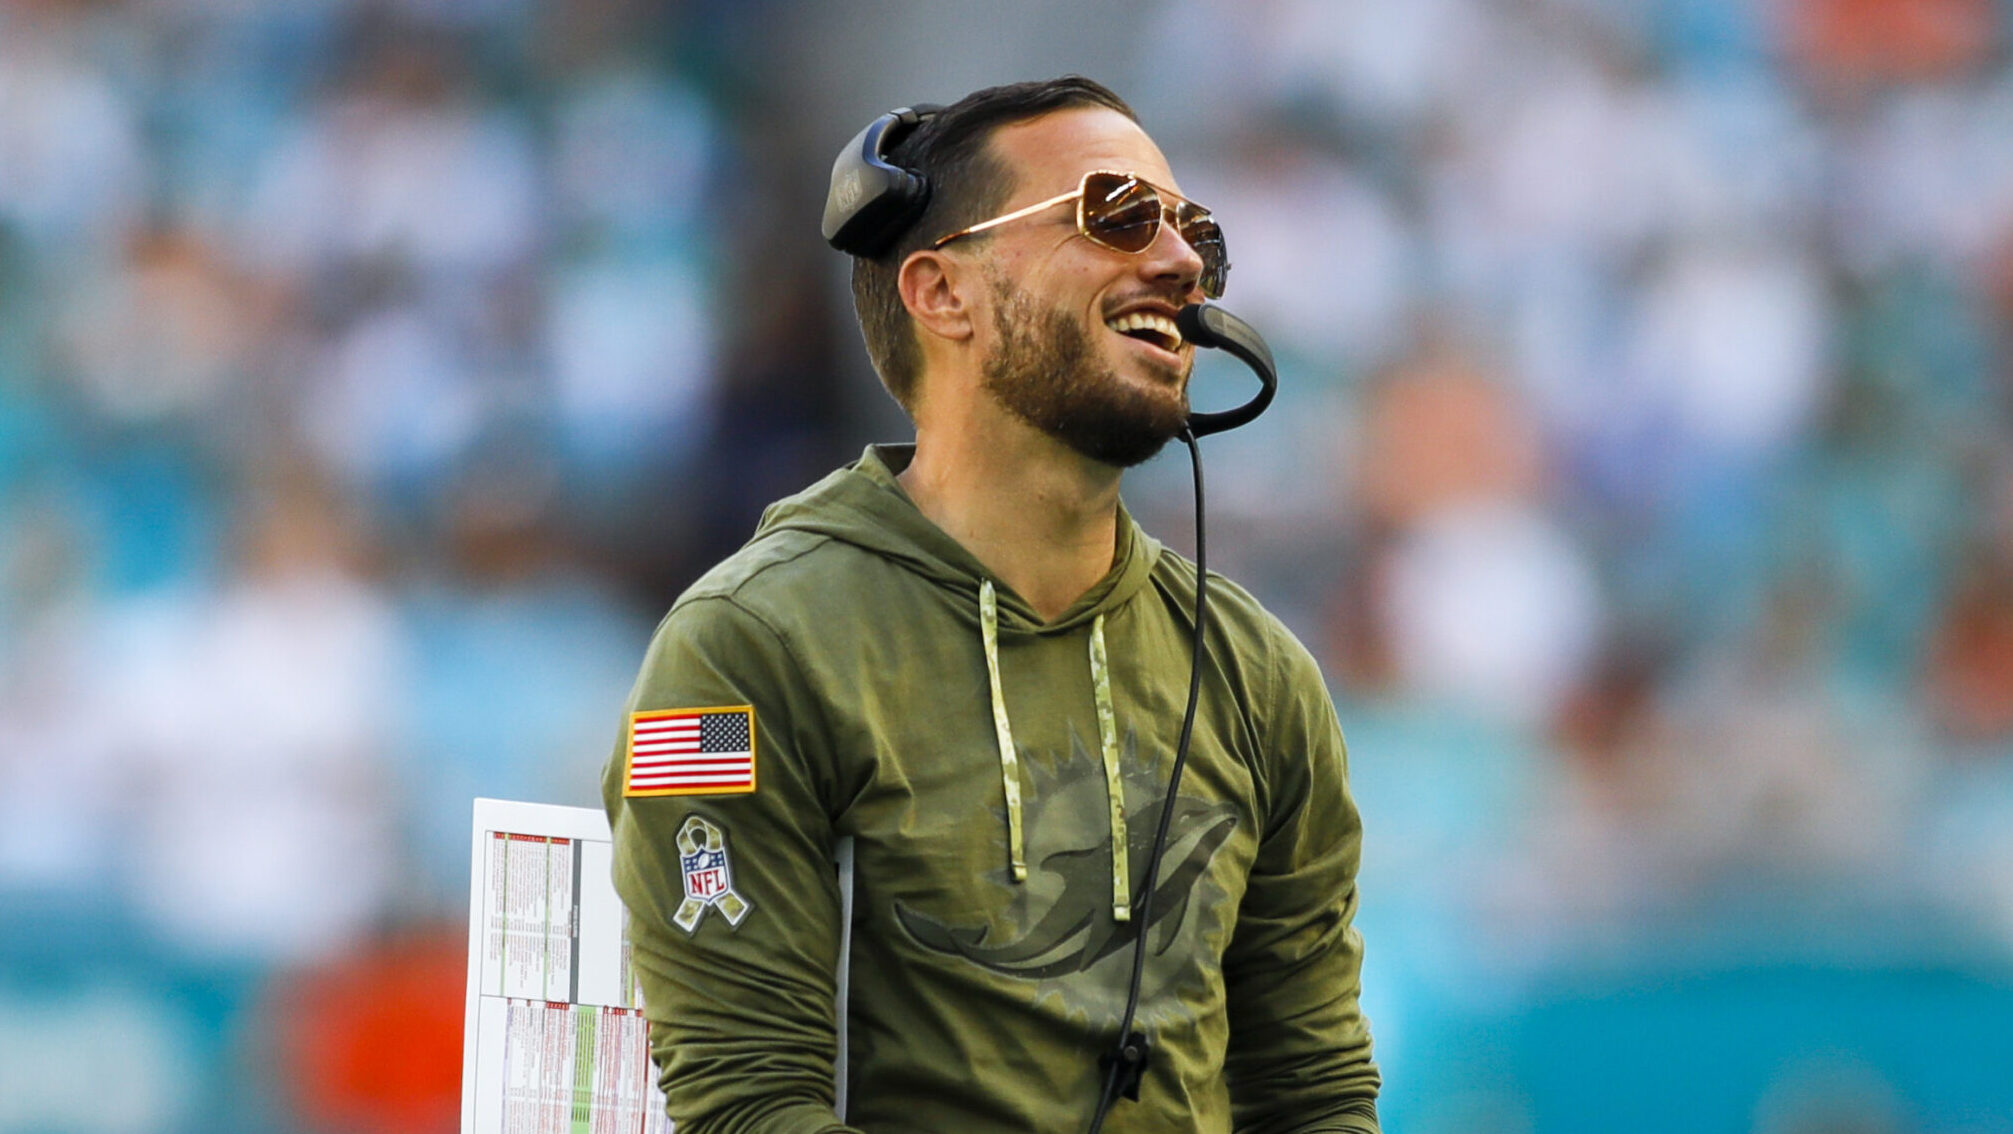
[863, 505]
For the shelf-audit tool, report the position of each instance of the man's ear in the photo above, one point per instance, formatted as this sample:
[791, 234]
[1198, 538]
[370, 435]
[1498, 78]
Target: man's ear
[935, 288]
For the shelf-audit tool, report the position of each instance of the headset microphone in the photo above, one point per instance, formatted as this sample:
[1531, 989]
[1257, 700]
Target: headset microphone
[1208, 325]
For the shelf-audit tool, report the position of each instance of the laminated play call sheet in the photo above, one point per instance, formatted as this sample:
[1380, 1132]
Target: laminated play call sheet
[555, 1041]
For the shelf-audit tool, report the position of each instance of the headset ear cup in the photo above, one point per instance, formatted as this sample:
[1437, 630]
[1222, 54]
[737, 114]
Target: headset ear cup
[872, 201]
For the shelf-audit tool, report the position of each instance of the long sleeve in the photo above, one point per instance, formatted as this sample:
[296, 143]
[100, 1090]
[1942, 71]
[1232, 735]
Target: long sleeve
[740, 1008]
[1299, 1059]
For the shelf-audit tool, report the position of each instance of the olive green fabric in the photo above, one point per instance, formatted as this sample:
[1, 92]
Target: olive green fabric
[979, 1003]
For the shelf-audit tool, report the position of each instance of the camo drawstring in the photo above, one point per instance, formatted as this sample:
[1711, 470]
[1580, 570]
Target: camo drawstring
[1114, 789]
[989, 625]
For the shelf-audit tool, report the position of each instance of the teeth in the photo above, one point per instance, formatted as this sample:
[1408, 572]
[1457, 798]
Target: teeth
[1147, 321]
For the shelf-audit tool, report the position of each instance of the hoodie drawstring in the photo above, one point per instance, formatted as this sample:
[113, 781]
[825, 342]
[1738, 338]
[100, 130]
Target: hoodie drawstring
[989, 626]
[1114, 790]
[1107, 733]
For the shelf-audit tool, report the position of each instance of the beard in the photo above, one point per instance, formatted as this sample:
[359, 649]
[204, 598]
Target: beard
[1044, 370]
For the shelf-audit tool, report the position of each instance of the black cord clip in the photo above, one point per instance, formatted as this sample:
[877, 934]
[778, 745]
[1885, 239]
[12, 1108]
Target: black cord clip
[1131, 1058]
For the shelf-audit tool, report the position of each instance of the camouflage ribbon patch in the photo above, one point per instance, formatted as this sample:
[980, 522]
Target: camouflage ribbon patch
[709, 877]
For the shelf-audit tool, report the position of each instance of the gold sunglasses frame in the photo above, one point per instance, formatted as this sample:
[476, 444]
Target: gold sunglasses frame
[1170, 217]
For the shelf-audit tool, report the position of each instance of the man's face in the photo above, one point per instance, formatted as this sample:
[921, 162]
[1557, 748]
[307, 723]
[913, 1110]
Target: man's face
[1043, 369]
[1054, 357]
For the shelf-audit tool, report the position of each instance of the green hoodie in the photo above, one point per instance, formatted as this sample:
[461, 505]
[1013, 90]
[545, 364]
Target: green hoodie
[904, 699]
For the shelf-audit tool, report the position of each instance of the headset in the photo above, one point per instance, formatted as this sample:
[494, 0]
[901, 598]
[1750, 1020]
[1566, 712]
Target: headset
[872, 201]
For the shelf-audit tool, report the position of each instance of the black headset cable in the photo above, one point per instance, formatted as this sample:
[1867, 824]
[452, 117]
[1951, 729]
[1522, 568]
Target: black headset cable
[1125, 1064]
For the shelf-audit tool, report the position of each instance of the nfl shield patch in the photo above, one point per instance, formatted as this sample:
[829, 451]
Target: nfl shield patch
[709, 877]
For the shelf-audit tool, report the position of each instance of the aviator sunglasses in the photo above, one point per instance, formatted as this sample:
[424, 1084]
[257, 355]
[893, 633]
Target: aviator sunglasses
[1124, 213]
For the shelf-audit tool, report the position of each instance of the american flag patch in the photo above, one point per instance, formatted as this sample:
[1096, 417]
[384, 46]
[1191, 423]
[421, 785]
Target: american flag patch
[691, 752]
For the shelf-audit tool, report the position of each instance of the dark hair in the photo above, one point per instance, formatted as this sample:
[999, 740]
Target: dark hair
[967, 184]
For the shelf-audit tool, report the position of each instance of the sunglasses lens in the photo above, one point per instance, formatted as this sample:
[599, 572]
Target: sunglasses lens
[1121, 213]
[1203, 234]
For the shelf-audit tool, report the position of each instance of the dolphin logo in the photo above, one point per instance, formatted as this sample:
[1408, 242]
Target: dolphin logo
[1078, 931]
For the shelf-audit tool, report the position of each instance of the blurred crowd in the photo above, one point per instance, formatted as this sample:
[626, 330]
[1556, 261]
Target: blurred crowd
[1652, 492]
[374, 374]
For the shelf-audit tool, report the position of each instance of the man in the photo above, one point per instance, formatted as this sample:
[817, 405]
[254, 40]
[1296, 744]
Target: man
[964, 657]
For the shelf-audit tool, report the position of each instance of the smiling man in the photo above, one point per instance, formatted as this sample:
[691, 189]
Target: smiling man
[962, 659]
